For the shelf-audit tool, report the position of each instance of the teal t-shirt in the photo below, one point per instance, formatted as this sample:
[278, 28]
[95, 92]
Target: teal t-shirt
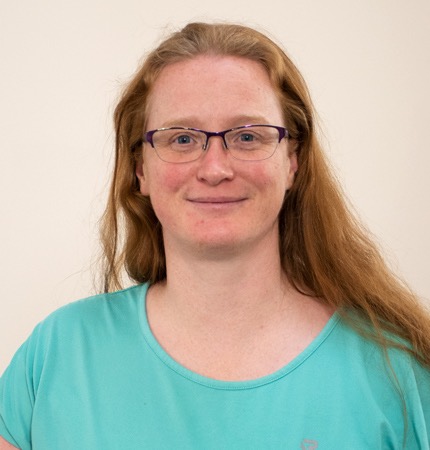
[92, 376]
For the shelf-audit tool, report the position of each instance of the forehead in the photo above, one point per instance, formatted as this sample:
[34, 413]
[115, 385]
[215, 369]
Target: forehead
[215, 90]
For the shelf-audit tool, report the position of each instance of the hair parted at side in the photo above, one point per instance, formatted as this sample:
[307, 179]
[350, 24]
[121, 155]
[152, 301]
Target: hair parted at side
[324, 250]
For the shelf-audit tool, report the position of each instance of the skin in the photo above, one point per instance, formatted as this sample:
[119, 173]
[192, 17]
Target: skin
[226, 310]
[4, 445]
[224, 203]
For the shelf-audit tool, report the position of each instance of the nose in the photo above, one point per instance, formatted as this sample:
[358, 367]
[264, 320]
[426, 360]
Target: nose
[215, 164]
[209, 135]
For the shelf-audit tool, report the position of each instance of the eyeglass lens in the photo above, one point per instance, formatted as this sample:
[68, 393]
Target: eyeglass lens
[252, 143]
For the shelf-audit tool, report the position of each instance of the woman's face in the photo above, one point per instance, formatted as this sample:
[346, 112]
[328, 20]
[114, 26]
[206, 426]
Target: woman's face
[216, 202]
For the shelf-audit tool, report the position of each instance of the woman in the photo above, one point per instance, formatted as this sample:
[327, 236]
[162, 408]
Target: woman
[263, 316]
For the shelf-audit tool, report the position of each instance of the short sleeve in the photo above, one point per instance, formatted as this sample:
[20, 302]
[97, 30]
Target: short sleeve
[419, 401]
[17, 395]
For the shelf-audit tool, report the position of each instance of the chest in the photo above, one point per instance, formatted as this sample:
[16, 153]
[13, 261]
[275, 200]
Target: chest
[146, 404]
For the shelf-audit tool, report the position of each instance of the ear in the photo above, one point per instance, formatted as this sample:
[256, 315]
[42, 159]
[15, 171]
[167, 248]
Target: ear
[292, 162]
[141, 176]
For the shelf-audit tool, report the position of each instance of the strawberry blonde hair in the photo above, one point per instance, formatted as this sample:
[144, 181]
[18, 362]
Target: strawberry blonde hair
[324, 250]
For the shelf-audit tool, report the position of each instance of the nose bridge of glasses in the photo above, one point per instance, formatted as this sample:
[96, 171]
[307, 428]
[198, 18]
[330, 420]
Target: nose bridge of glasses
[210, 134]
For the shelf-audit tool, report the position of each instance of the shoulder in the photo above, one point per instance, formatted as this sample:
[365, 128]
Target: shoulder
[354, 339]
[352, 354]
[97, 318]
[97, 309]
[381, 389]
[388, 373]
[79, 330]
[73, 345]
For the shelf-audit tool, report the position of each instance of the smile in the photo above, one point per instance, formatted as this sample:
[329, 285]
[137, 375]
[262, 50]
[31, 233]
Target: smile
[217, 202]
[220, 199]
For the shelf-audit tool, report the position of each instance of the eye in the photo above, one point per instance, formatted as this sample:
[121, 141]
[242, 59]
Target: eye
[247, 137]
[183, 139]
[177, 138]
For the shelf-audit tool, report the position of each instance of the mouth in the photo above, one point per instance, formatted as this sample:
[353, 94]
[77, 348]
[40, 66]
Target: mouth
[217, 200]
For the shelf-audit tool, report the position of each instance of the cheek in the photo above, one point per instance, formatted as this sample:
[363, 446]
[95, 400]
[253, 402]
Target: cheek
[272, 178]
[164, 185]
[171, 178]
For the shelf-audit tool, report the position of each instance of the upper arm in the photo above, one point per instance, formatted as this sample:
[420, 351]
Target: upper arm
[16, 401]
[4, 445]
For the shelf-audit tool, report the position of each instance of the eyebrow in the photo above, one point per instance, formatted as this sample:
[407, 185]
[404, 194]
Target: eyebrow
[236, 121]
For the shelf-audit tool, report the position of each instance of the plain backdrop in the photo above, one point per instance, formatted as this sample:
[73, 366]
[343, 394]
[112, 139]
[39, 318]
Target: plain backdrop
[367, 64]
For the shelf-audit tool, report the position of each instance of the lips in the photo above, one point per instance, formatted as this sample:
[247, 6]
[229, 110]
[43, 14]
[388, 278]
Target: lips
[217, 200]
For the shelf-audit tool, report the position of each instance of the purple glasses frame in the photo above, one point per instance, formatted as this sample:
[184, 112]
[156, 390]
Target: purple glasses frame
[147, 137]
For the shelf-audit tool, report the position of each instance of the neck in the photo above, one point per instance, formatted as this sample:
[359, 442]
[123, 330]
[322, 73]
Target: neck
[232, 318]
[213, 289]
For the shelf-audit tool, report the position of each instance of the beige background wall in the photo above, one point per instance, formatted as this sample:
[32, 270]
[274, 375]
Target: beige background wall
[367, 64]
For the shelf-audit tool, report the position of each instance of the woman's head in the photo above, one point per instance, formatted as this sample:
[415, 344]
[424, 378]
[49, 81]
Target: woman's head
[143, 253]
[219, 193]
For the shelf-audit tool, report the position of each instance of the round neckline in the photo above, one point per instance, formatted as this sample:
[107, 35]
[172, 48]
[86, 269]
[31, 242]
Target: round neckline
[213, 383]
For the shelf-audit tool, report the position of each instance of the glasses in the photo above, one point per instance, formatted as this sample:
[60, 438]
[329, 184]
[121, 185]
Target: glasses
[246, 143]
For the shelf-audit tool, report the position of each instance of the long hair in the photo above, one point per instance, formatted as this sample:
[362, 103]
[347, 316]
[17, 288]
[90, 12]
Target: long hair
[325, 251]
